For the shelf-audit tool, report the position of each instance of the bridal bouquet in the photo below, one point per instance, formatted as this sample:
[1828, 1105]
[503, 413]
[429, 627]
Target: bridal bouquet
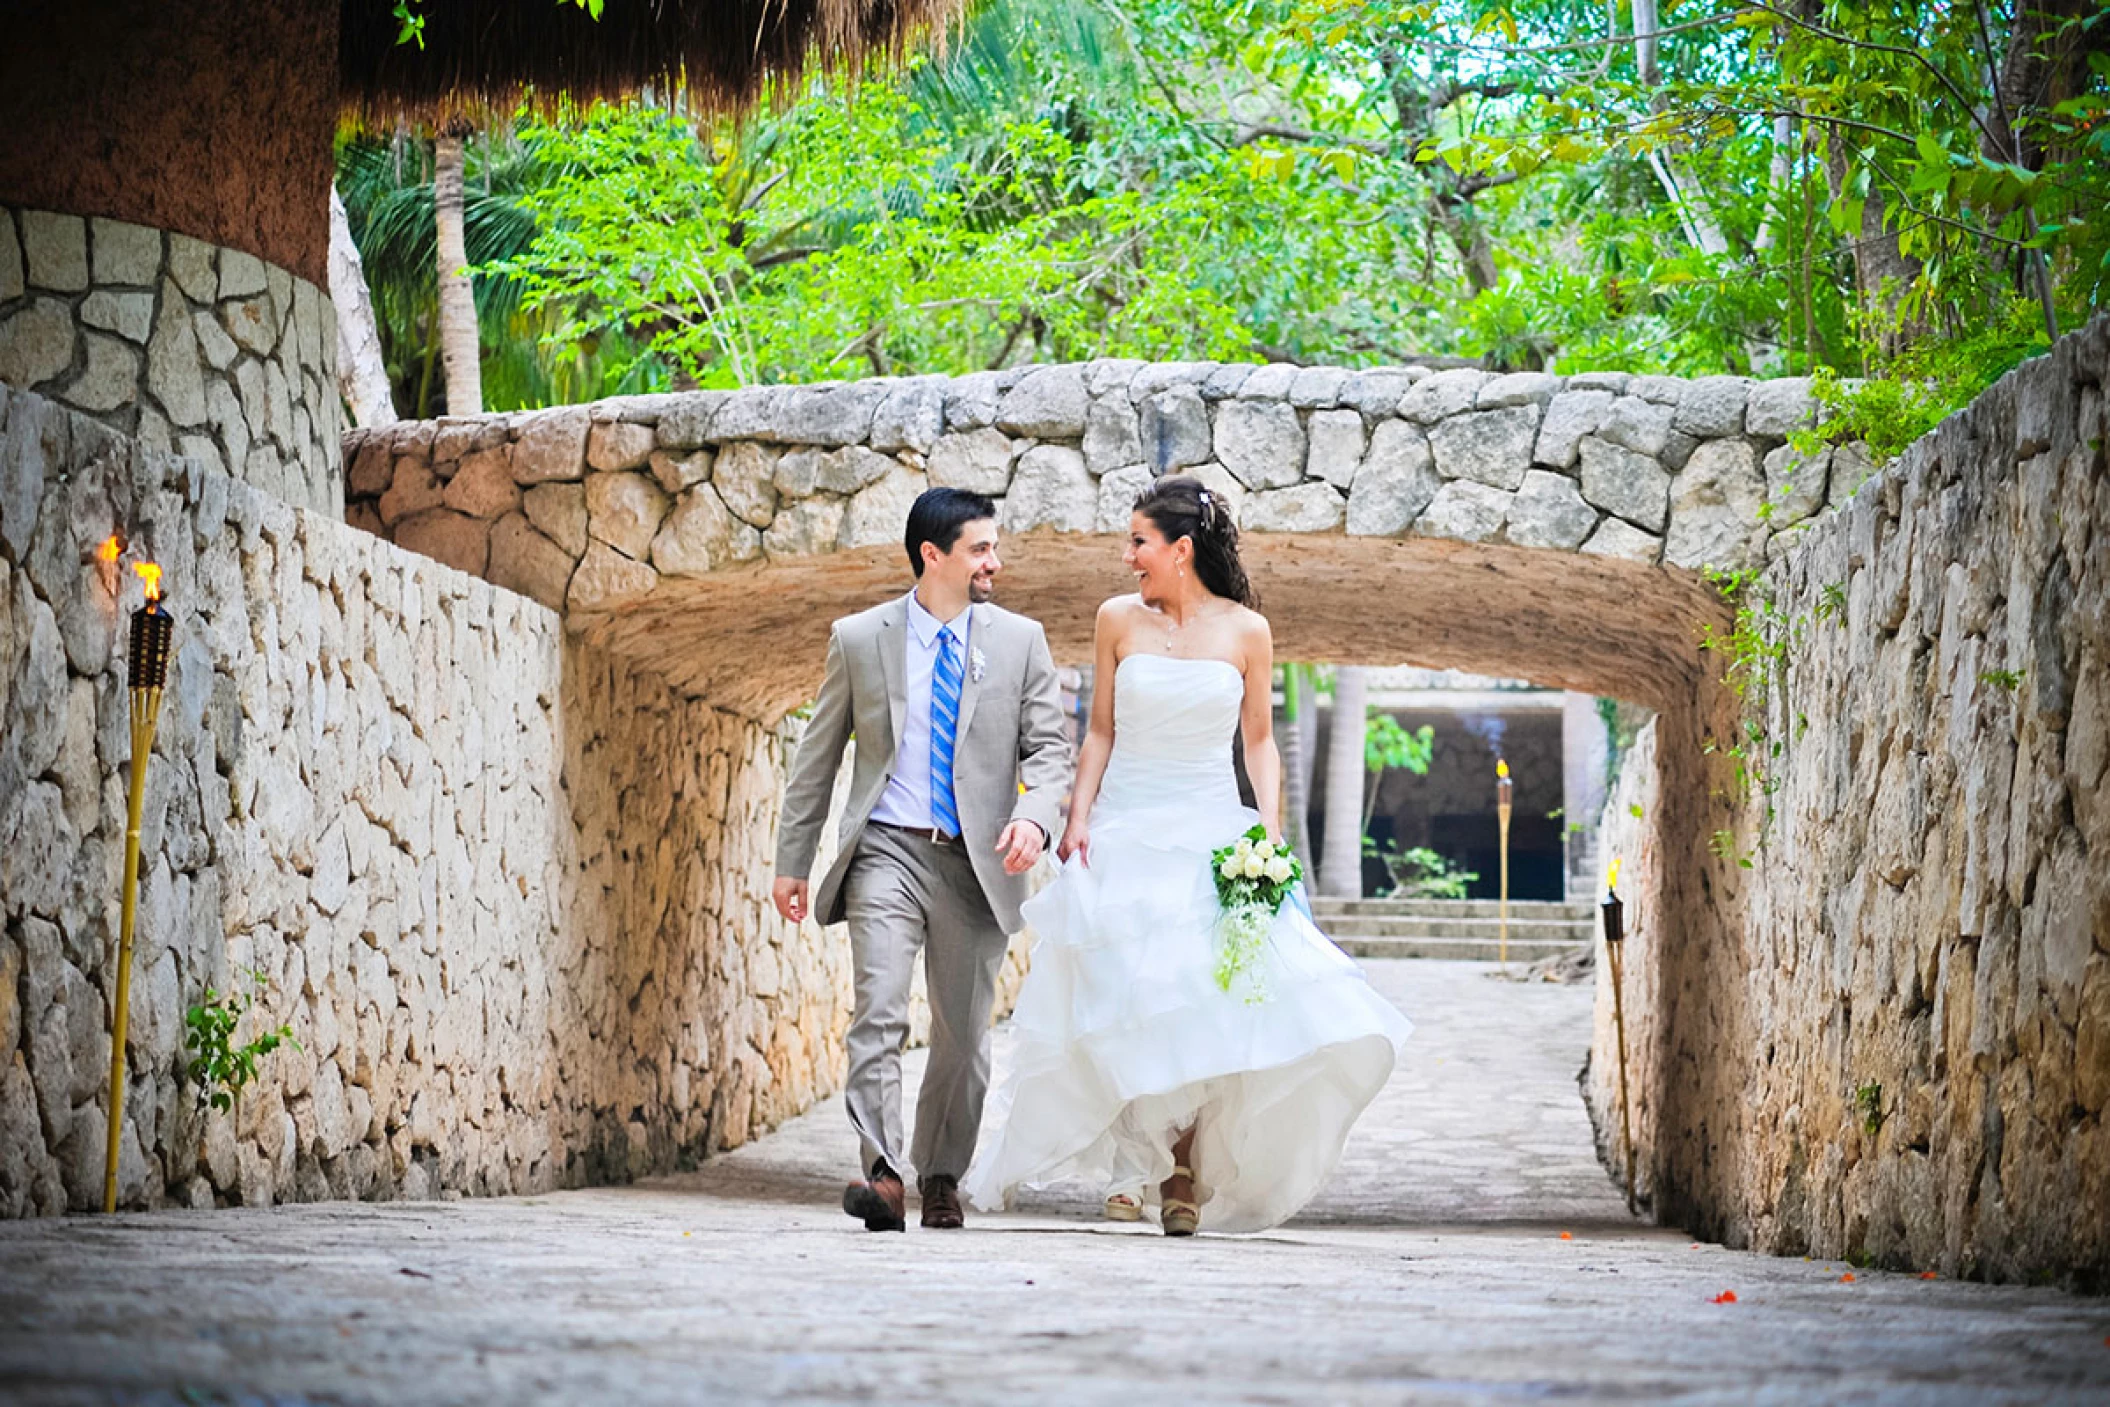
[1253, 877]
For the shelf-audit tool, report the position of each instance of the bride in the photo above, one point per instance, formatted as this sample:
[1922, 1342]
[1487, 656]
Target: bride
[1133, 1066]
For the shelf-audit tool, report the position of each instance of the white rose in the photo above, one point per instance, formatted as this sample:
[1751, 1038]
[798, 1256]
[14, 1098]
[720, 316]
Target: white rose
[1278, 869]
[1231, 868]
[1265, 849]
[1254, 866]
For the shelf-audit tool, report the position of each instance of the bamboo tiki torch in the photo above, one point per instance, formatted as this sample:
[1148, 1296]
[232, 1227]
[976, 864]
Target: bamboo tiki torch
[148, 667]
[1502, 822]
[1614, 941]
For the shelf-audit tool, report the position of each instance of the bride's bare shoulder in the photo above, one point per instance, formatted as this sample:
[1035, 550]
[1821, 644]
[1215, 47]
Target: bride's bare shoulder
[1120, 609]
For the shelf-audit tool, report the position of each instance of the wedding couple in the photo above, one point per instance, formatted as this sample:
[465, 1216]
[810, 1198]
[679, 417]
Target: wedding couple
[1134, 1067]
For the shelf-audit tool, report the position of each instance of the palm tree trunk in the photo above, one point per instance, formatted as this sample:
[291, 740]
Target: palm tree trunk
[458, 343]
[1296, 765]
[362, 376]
[1341, 864]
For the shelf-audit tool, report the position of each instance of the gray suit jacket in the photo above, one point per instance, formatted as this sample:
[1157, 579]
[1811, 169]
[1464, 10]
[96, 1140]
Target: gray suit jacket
[1011, 735]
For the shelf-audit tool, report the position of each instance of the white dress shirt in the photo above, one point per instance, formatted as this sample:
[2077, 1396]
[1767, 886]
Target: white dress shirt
[906, 801]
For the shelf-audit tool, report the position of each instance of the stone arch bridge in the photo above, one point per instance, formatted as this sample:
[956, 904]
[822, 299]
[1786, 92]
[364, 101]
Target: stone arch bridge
[1516, 524]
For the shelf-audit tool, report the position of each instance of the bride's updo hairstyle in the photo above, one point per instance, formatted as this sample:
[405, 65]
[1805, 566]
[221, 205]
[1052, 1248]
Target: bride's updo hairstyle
[1179, 506]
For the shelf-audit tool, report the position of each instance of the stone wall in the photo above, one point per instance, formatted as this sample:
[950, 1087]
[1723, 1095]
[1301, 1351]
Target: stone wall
[1889, 1035]
[509, 891]
[206, 351]
[589, 508]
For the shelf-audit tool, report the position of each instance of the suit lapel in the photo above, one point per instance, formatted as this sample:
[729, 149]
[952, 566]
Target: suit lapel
[970, 685]
[893, 663]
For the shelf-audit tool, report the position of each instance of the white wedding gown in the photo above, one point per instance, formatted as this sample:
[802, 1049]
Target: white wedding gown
[1122, 1035]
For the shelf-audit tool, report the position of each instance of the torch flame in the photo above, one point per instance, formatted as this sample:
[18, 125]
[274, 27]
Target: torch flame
[1611, 876]
[1501, 767]
[109, 549]
[150, 575]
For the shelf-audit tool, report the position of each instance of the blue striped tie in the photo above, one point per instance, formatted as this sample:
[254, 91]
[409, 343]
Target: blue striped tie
[944, 724]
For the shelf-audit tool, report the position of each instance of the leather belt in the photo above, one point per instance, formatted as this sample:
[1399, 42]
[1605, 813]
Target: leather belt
[929, 833]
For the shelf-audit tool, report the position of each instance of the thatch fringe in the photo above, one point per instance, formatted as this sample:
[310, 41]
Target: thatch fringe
[482, 57]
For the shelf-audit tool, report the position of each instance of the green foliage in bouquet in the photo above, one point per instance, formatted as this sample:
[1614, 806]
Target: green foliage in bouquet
[1253, 876]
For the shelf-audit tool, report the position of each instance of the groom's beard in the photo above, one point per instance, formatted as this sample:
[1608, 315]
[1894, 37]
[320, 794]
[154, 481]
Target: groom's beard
[980, 589]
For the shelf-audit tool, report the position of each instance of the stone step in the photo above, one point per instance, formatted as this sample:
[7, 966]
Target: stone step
[1455, 949]
[1367, 926]
[1534, 909]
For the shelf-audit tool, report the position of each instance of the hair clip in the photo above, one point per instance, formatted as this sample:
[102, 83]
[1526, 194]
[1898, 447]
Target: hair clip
[1206, 500]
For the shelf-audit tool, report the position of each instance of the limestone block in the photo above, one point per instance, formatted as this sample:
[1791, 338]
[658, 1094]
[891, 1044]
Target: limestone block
[1153, 378]
[851, 468]
[1049, 403]
[676, 472]
[1616, 537]
[457, 539]
[1051, 489]
[413, 490]
[36, 343]
[1613, 381]
[1464, 510]
[911, 416]
[606, 578]
[1261, 442]
[241, 275]
[530, 564]
[804, 529]
[370, 468]
[483, 486]
[1570, 416]
[878, 514]
[1712, 406]
[279, 406]
[1111, 435]
[625, 511]
[332, 880]
[1852, 467]
[194, 265]
[1658, 390]
[685, 423]
[56, 248]
[1118, 491]
[1109, 376]
[12, 281]
[1714, 506]
[1337, 446]
[619, 445]
[1224, 382]
[798, 473]
[1624, 482]
[552, 446]
[1307, 508]
[250, 323]
[1636, 424]
[745, 478]
[1777, 409]
[828, 415]
[173, 374]
[970, 401]
[976, 460]
[1173, 431]
[1517, 388]
[1491, 447]
[37, 726]
[109, 380]
[1376, 392]
[1318, 387]
[1549, 512]
[1795, 486]
[701, 535]
[1442, 395]
[129, 315]
[1270, 382]
[559, 510]
[1395, 483]
[218, 349]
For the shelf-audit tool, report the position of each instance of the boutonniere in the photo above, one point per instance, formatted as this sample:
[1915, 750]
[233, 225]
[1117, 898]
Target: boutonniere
[977, 664]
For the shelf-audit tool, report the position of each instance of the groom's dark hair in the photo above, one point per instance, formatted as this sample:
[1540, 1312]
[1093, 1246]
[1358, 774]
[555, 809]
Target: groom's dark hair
[937, 517]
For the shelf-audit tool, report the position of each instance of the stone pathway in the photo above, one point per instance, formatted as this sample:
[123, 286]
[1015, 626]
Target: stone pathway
[1432, 1269]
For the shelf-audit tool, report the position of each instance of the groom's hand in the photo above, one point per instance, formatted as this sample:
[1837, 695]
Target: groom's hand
[793, 898]
[1021, 845]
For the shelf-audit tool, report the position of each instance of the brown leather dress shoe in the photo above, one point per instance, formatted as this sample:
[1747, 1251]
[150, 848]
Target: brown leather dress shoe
[941, 1202]
[881, 1203]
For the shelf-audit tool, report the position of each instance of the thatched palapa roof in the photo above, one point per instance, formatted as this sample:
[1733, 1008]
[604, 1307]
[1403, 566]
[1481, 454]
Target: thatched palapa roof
[485, 55]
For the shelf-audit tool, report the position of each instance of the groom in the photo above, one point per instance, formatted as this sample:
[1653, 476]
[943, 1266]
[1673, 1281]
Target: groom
[962, 757]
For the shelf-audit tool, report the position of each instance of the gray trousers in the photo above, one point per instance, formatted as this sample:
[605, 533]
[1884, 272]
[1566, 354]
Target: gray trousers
[902, 893]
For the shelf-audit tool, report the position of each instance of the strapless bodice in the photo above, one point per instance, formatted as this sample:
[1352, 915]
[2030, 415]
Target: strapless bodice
[1173, 724]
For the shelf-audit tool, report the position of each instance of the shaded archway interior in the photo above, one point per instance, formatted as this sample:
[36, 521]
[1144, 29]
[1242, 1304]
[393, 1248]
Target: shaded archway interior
[752, 641]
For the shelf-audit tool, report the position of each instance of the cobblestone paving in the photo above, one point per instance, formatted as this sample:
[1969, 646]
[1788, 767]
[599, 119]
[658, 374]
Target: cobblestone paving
[1432, 1269]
